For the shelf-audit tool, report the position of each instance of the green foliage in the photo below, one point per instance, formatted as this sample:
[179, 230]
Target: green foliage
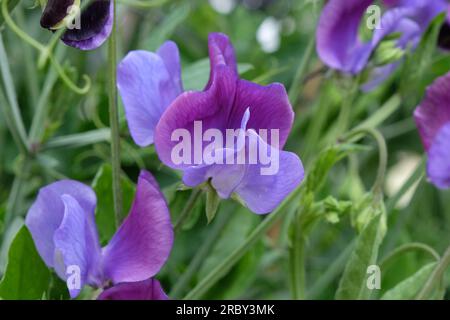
[26, 276]
[353, 284]
[410, 287]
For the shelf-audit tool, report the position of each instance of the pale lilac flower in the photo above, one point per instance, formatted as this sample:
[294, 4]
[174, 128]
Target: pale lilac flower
[62, 224]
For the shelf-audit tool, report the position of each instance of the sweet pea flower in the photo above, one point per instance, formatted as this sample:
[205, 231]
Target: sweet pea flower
[156, 108]
[87, 31]
[433, 121]
[338, 41]
[62, 224]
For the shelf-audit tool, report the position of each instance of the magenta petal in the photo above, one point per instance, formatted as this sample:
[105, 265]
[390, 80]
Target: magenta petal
[77, 250]
[212, 107]
[142, 244]
[148, 83]
[269, 108]
[439, 159]
[143, 290]
[434, 111]
[221, 53]
[47, 212]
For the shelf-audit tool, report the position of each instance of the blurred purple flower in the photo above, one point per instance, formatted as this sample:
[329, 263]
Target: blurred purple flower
[95, 22]
[62, 224]
[433, 120]
[338, 41]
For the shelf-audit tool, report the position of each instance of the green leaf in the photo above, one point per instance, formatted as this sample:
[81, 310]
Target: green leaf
[26, 277]
[102, 186]
[212, 203]
[353, 284]
[409, 288]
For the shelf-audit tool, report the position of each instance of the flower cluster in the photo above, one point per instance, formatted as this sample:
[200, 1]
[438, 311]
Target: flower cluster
[400, 28]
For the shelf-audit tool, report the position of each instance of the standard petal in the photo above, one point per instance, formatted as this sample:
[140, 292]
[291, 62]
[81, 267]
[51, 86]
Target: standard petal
[338, 43]
[46, 214]
[142, 244]
[264, 187]
[77, 250]
[96, 26]
[269, 108]
[212, 108]
[434, 111]
[221, 53]
[148, 83]
[143, 290]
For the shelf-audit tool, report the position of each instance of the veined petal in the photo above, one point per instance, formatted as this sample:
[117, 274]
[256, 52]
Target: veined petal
[47, 212]
[338, 43]
[212, 107]
[143, 290]
[77, 250]
[438, 167]
[148, 83]
[434, 111]
[96, 26]
[269, 107]
[143, 242]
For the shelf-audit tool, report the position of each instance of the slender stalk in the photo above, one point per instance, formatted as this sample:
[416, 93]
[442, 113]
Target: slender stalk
[202, 253]
[435, 277]
[382, 150]
[297, 261]
[187, 210]
[414, 246]
[114, 120]
[299, 74]
[218, 272]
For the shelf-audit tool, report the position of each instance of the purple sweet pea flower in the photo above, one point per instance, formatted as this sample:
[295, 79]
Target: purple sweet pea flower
[62, 224]
[232, 103]
[95, 22]
[433, 120]
[338, 42]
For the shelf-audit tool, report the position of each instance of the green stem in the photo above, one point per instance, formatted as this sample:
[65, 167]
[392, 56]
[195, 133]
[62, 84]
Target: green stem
[297, 261]
[114, 120]
[218, 272]
[187, 210]
[202, 253]
[299, 74]
[436, 276]
[345, 115]
[414, 246]
[12, 110]
[383, 154]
